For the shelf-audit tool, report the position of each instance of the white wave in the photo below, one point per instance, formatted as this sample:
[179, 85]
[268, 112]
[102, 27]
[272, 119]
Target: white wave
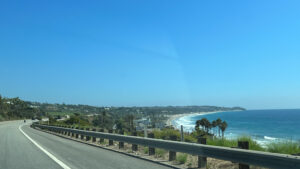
[270, 138]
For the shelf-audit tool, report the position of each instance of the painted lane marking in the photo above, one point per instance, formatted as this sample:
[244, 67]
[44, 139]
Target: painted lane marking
[63, 165]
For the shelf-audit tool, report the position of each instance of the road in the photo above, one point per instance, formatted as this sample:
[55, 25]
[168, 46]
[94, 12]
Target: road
[40, 150]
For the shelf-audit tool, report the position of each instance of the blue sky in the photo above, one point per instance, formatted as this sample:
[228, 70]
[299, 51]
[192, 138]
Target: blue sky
[145, 53]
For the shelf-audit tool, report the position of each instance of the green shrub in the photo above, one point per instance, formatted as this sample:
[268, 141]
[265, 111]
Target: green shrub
[166, 134]
[146, 150]
[181, 158]
[253, 145]
[160, 152]
[104, 142]
[189, 138]
[222, 142]
[284, 147]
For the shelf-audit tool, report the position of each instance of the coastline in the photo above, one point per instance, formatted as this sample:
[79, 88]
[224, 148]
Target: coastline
[176, 116]
[260, 135]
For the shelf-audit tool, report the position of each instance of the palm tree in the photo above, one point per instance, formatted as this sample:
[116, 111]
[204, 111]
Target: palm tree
[197, 125]
[207, 125]
[219, 122]
[202, 123]
[213, 125]
[223, 127]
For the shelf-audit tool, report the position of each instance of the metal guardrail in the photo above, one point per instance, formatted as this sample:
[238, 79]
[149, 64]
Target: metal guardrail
[257, 158]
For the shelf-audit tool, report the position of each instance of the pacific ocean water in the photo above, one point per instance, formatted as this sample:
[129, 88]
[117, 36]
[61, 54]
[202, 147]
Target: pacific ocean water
[262, 125]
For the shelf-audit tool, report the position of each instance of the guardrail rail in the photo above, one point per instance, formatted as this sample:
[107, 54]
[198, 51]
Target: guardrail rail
[248, 157]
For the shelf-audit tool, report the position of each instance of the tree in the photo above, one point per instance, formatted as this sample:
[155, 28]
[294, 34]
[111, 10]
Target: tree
[198, 124]
[223, 127]
[219, 122]
[213, 125]
[119, 125]
[15, 108]
[51, 119]
[129, 121]
[103, 116]
[73, 120]
[104, 120]
[204, 124]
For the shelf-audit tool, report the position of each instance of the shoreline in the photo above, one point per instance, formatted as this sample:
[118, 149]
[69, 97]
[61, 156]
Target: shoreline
[176, 116]
[262, 139]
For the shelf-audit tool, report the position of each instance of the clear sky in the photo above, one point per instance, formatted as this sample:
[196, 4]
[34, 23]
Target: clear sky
[155, 52]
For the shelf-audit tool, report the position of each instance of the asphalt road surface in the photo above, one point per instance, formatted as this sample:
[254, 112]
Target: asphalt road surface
[22, 147]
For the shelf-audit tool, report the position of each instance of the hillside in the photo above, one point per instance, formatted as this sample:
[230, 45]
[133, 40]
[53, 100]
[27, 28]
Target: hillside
[15, 108]
[86, 109]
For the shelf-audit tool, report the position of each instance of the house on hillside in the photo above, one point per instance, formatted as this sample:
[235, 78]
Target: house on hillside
[142, 123]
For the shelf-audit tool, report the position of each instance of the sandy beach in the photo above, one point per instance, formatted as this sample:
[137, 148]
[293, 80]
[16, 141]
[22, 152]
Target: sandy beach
[175, 116]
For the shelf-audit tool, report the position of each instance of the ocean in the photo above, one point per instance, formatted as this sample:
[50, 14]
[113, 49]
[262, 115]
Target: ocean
[262, 125]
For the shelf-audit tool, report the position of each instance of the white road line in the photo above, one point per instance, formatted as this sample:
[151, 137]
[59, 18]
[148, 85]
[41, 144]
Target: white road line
[63, 165]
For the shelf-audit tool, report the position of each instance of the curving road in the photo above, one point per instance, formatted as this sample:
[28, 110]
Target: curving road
[26, 148]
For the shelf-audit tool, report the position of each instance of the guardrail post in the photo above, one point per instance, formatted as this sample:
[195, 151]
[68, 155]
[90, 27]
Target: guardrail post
[59, 131]
[134, 146]
[101, 139]
[76, 135]
[55, 130]
[121, 144]
[72, 133]
[65, 132]
[151, 149]
[87, 138]
[172, 154]
[62, 132]
[243, 145]
[110, 142]
[69, 133]
[202, 161]
[82, 136]
[94, 138]
[49, 129]
[181, 133]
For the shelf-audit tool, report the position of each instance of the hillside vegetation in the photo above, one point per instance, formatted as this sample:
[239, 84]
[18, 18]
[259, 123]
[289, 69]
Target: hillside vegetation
[87, 109]
[15, 108]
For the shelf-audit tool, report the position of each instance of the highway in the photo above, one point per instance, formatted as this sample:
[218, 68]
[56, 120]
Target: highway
[22, 147]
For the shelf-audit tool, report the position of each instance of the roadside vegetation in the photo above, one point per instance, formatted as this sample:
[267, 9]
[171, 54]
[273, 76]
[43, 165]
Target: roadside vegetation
[284, 147]
[212, 131]
[15, 108]
[181, 158]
